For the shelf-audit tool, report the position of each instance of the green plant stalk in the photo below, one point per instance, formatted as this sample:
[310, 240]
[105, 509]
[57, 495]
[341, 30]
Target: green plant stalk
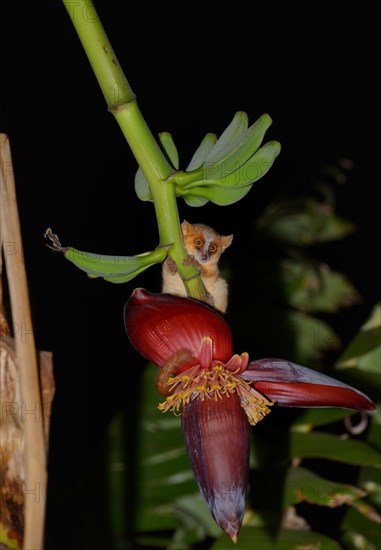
[121, 102]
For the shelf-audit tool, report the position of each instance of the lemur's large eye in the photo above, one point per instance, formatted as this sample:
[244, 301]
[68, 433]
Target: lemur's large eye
[198, 243]
[213, 248]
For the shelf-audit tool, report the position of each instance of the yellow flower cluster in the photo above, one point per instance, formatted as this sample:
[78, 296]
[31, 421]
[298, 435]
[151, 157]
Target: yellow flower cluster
[216, 383]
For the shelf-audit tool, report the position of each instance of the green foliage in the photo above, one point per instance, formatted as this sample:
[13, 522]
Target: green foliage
[286, 285]
[361, 361]
[305, 440]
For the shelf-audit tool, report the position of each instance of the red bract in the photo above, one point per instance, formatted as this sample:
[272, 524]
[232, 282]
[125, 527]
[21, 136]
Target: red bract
[159, 325]
[216, 435]
[291, 385]
[213, 390]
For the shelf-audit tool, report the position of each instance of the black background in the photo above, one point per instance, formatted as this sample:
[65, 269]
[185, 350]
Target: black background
[314, 72]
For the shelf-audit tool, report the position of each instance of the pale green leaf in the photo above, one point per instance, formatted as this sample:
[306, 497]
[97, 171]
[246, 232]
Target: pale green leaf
[229, 138]
[202, 151]
[249, 145]
[141, 186]
[253, 169]
[195, 201]
[170, 148]
[218, 195]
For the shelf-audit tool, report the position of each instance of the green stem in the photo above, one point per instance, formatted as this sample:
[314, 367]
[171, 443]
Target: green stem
[121, 102]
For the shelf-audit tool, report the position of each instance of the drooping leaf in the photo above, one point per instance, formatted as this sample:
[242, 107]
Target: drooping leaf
[331, 447]
[304, 485]
[113, 268]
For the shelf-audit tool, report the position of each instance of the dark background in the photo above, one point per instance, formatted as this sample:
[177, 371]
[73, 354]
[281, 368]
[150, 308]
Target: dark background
[314, 73]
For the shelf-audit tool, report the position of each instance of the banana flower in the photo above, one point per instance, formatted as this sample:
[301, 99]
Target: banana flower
[219, 394]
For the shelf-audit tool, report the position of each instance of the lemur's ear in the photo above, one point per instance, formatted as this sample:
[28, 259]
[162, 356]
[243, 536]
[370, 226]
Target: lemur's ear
[226, 240]
[186, 227]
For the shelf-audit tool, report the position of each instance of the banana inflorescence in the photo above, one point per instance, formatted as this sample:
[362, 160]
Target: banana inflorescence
[115, 269]
[221, 170]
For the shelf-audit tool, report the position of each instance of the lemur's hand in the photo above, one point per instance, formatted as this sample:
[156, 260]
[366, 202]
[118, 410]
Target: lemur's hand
[171, 264]
[191, 260]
